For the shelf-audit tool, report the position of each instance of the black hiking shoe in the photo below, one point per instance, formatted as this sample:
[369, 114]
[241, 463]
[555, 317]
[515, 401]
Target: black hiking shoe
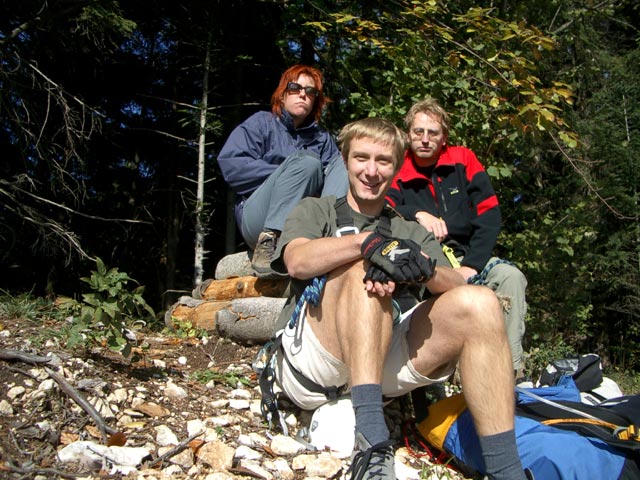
[372, 462]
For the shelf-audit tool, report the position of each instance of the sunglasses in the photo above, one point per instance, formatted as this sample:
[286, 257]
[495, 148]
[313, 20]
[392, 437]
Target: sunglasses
[294, 87]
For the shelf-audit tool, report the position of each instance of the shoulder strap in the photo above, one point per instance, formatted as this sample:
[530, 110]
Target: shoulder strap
[344, 220]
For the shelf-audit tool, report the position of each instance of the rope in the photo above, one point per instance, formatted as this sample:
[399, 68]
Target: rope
[310, 295]
[481, 278]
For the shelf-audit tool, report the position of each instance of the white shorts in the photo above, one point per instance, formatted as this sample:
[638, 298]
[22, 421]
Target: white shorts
[310, 358]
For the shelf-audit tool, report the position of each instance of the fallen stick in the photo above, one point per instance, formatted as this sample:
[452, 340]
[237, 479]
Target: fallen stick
[175, 450]
[22, 356]
[83, 403]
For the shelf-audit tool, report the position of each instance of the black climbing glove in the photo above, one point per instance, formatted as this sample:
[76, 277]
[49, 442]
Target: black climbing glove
[402, 260]
[376, 274]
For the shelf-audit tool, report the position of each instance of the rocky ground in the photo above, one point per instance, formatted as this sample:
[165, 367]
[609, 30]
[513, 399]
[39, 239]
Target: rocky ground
[182, 407]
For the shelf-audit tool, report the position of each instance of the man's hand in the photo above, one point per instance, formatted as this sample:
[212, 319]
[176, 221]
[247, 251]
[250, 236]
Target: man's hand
[402, 260]
[433, 224]
[378, 281]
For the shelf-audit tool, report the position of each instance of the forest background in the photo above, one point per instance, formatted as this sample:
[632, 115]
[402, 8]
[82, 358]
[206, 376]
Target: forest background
[112, 114]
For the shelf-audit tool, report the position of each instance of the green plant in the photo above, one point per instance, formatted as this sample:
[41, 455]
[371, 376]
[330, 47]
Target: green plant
[230, 379]
[109, 312]
[185, 329]
[24, 306]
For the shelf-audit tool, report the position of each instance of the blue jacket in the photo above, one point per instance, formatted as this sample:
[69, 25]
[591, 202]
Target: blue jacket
[258, 145]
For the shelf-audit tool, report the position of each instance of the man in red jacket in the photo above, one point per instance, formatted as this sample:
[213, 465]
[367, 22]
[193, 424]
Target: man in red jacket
[447, 191]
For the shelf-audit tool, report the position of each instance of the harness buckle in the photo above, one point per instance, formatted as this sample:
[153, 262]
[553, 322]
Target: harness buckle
[332, 393]
[348, 230]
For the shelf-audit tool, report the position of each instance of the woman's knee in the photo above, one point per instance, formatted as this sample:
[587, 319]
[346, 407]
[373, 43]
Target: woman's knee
[306, 164]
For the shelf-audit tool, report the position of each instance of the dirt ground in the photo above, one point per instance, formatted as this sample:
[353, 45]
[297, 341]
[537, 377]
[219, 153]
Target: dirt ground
[26, 449]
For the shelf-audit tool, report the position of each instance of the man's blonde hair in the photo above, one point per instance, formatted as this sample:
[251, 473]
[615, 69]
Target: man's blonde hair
[377, 129]
[430, 106]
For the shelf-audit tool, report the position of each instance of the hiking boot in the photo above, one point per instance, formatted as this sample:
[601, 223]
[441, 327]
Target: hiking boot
[263, 253]
[372, 462]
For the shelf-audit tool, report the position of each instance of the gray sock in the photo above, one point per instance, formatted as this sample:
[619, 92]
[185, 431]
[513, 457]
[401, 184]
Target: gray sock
[501, 458]
[367, 405]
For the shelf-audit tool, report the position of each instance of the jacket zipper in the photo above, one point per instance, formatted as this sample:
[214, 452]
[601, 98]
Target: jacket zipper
[438, 186]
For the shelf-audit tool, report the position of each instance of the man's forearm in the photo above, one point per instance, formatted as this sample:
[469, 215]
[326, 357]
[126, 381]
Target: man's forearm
[444, 279]
[306, 258]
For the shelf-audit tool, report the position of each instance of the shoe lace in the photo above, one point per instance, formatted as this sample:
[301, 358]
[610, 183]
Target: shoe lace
[372, 460]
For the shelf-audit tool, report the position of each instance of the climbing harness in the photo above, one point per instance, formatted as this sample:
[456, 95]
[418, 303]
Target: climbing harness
[264, 365]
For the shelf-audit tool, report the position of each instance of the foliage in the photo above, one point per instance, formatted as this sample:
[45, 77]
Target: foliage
[99, 116]
[185, 329]
[24, 305]
[108, 314]
[231, 379]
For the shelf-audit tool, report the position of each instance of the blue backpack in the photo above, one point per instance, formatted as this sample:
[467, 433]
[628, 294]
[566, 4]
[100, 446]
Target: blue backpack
[558, 437]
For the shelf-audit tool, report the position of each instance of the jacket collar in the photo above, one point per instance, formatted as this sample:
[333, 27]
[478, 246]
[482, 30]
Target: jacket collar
[411, 171]
[287, 121]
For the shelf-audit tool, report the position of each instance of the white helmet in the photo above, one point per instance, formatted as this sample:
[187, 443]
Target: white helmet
[333, 426]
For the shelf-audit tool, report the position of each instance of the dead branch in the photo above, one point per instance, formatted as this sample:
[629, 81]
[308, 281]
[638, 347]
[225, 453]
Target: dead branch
[6, 354]
[83, 403]
[593, 190]
[175, 450]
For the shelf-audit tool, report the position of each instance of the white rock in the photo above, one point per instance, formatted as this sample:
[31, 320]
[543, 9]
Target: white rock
[5, 408]
[194, 426]
[220, 403]
[405, 472]
[239, 404]
[46, 385]
[246, 453]
[171, 471]
[15, 392]
[159, 363]
[121, 459]
[324, 465]
[240, 393]
[284, 445]
[182, 360]
[281, 466]
[256, 468]
[221, 421]
[164, 436]
[253, 440]
[174, 391]
[255, 407]
[118, 396]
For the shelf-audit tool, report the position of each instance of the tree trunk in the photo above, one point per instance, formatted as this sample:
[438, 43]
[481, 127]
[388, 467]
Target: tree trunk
[199, 227]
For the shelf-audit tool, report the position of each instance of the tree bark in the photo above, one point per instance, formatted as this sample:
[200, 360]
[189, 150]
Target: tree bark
[240, 287]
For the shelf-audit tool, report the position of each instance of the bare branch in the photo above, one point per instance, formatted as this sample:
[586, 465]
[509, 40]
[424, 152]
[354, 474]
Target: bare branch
[583, 175]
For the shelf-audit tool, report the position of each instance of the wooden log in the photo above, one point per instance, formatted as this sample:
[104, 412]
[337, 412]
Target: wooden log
[234, 265]
[241, 287]
[249, 320]
[200, 314]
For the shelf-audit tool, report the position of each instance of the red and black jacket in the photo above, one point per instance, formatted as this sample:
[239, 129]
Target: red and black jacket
[458, 190]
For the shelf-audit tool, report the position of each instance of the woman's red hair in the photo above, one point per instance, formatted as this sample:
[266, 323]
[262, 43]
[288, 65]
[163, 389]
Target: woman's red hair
[291, 74]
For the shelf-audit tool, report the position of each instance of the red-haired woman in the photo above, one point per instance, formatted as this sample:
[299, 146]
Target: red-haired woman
[274, 159]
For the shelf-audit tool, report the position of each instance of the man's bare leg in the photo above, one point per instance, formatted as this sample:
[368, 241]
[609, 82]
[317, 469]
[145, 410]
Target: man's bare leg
[356, 327]
[352, 324]
[466, 324]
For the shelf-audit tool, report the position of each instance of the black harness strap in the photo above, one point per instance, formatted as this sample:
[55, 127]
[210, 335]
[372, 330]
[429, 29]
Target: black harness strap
[344, 220]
